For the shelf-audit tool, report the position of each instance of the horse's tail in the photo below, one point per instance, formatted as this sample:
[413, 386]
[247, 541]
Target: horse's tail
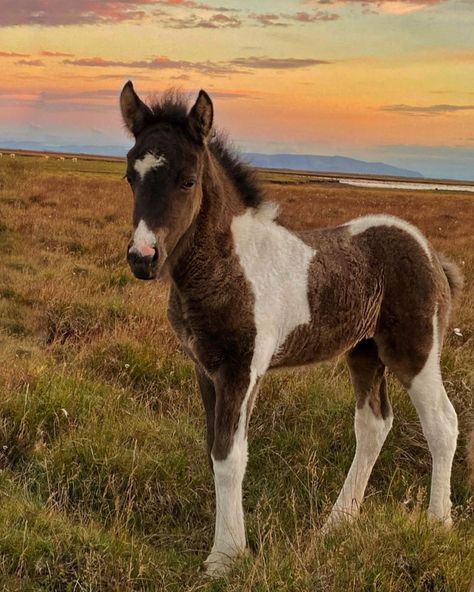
[453, 275]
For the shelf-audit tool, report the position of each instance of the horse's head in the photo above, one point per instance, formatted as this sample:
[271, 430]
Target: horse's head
[164, 170]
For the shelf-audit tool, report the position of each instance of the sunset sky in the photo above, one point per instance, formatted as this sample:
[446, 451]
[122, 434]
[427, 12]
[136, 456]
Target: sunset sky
[384, 80]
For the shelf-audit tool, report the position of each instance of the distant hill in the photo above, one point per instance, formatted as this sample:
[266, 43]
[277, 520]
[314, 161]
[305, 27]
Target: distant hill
[302, 162]
[333, 164]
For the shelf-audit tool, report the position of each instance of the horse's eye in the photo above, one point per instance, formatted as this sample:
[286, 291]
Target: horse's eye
[188, 184]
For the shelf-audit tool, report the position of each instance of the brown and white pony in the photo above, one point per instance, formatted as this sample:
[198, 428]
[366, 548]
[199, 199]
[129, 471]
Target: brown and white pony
[249, 295]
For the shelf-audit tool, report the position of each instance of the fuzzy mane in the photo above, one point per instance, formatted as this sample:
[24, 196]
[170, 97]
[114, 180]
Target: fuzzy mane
[173, 108]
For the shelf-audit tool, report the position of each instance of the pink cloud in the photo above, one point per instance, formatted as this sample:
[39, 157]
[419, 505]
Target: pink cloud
[84, 12]
[70, 12]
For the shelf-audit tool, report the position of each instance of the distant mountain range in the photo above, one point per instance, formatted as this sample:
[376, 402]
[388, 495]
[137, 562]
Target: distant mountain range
[303, 162]
[332, 164]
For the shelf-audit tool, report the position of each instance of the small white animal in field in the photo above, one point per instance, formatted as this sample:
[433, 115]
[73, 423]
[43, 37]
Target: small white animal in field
[1, 154]
[46, 157]
[12, 155]
[74, 159]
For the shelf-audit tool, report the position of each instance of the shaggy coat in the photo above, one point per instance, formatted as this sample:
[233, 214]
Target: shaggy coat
[249, 295]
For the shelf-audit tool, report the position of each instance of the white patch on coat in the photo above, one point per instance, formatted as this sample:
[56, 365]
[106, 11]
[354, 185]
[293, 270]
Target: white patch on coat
[229, 538]
[144, 240]
[440, 427]
[371, 432]
[147, 163]
[276, 264]
[360, 225]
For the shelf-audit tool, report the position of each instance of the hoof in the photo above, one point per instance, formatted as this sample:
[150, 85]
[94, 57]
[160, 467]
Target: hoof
[218, 564]
[336, 519]
[446, 521]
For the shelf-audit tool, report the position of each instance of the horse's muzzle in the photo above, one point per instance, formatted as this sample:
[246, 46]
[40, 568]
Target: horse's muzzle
[144, 267]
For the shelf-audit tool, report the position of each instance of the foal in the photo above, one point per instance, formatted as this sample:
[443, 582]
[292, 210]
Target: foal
[248, 295]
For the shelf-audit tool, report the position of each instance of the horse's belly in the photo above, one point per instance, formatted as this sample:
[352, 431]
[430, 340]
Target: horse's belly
[330, 332]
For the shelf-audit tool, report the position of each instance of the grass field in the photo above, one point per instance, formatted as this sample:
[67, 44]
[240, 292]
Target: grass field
[104, 482]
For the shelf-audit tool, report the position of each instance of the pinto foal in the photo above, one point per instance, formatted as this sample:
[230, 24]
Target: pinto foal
[248, 295]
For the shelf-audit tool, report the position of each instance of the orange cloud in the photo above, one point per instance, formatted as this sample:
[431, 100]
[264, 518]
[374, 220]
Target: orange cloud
[13, 54]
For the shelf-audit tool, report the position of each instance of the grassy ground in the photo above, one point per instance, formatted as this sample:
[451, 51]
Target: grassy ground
[104, 482]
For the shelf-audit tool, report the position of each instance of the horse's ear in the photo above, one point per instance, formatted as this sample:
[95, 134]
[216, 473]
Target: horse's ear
[134, 111]
[201, 116]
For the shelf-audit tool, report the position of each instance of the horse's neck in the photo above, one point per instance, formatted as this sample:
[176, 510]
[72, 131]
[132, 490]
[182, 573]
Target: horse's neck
[208, 242]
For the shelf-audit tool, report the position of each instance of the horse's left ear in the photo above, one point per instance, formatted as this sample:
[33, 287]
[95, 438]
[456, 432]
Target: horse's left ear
[201, 116]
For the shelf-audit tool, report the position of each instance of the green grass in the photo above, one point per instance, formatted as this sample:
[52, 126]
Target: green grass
[105, 483]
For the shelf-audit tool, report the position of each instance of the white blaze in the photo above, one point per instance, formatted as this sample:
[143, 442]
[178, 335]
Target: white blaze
[147, 163]
[144, 239]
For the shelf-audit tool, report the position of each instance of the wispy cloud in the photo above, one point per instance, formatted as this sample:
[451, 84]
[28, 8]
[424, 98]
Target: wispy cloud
[56, 54]
[160, 63]
[216, 21]
[13, 54]
[311, 17]
[234, 66]
[30, 62]
[390, 6]
[195, 5]
[268, 63]
[92, 12]
[273, 19]
[70, 12]
[426, 110]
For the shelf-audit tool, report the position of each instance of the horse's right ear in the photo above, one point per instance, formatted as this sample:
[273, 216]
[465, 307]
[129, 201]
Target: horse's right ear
[134, 111]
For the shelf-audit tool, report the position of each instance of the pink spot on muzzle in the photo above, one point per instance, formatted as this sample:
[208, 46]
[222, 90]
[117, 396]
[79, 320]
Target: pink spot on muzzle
[145, 249]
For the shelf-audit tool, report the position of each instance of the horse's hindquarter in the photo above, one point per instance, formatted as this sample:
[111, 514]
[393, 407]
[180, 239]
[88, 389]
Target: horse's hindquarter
[344, 294]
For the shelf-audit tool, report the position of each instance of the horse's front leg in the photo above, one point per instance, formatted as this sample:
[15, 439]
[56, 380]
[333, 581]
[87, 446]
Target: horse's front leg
[208, 394]
[235, 393]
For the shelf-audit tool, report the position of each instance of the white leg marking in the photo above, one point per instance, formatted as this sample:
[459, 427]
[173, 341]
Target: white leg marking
[276, 264]
[359, 225]
[440, 427]
[147, 163]
[144, 240]
[229, 539]
[371, 432]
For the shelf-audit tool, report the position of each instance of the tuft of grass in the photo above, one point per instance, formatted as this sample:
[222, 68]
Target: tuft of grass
[105, 483]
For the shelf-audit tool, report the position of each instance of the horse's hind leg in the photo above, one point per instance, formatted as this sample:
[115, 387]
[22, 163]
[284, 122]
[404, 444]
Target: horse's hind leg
[373, 420]
[437, 415]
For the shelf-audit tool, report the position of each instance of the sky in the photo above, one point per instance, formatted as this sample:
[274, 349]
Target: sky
[379, 80]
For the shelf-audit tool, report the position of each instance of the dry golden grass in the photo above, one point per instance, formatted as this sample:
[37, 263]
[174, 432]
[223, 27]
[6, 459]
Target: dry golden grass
[105, 484]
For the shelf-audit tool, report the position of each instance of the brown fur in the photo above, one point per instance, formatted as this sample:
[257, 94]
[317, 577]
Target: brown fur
[371, 296]
[360, 289]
